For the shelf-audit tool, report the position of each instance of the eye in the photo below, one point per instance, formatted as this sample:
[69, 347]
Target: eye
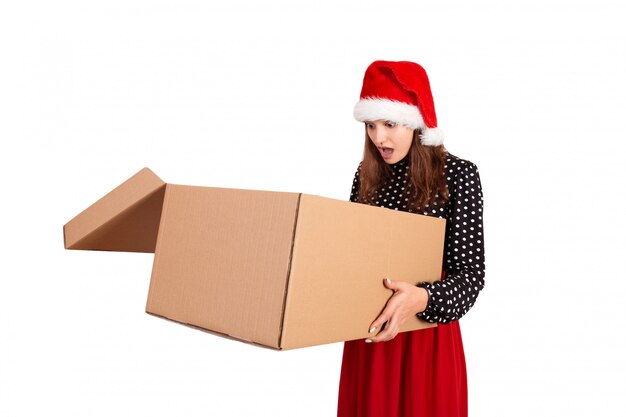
[369, 125]
[390, 124]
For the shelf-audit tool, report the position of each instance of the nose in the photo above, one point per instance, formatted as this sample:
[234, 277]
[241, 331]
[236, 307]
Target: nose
[380, 136]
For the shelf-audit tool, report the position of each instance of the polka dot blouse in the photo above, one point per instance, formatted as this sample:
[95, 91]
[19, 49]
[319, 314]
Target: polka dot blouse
[464, 255]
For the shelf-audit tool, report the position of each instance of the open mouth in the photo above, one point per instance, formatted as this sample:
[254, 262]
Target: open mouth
[386, 152]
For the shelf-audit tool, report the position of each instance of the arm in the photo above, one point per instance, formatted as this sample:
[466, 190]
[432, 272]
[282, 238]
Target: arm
[464, 254]
[355, 185]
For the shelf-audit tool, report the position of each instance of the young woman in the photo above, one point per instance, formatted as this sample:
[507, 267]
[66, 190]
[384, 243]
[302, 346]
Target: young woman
[406, 167]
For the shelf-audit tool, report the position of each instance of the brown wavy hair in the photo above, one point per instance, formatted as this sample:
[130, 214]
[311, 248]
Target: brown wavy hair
[427, 182]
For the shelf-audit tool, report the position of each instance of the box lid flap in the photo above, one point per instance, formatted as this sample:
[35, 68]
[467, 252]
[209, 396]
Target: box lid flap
[125, 220]
[222, 260]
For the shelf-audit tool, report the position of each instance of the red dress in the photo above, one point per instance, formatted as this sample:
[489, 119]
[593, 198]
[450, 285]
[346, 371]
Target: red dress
[419, 373]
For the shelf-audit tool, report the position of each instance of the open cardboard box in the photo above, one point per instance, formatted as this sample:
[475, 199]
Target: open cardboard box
[277, 269]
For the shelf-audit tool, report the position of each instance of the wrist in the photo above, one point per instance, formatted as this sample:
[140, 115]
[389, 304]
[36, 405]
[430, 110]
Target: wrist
[423, 297]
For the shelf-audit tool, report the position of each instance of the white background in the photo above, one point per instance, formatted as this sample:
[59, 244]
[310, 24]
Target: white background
[260, 95]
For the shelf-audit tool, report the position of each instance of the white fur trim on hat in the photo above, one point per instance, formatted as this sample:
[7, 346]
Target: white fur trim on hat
[432, 137]
[369, 109]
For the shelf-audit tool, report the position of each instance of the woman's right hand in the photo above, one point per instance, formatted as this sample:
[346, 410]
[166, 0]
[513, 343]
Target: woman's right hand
[406, 301]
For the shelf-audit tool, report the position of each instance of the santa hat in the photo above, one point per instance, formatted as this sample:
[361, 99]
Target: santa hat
[399, 91]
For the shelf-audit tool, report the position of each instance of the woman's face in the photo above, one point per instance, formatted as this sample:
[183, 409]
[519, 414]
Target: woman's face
[392, 140]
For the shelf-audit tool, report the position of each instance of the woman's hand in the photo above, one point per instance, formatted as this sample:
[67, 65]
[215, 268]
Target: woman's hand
[406, 301]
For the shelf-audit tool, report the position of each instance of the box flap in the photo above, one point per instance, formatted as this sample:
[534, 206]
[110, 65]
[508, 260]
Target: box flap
[222, 260]
[125, 220]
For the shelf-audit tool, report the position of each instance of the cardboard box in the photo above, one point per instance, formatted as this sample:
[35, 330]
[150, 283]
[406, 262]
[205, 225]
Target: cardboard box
[277, 269]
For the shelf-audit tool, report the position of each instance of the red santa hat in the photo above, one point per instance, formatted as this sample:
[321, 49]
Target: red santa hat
[399, 91]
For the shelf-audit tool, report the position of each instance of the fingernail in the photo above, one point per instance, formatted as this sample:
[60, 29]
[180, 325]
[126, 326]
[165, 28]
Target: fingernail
[368, 340]
[388, 280]
[372, 329]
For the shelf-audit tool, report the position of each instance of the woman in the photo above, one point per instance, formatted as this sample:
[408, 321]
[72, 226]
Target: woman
[406, 167]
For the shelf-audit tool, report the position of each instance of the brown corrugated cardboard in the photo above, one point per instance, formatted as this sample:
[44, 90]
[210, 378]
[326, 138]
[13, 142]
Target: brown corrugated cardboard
[278, 269]
[124, 220]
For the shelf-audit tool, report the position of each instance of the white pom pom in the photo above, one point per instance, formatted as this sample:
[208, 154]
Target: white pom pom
[432, 137]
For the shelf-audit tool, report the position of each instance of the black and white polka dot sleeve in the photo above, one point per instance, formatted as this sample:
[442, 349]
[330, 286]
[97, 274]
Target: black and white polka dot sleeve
[355, 185]
[464, 254]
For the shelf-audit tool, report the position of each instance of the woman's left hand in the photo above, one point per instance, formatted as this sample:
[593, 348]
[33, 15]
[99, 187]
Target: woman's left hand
[406, 301]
